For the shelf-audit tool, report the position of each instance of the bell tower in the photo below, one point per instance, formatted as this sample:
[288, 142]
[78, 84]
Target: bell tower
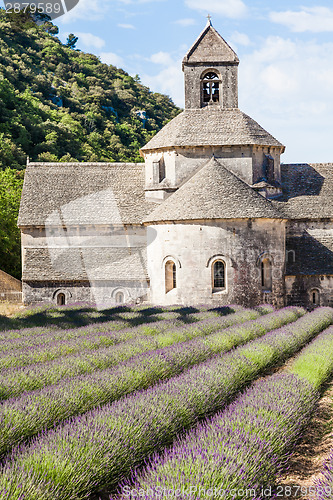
[211, 72]
[211, 125]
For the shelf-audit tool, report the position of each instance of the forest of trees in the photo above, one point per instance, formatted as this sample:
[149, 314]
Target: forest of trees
[60, 104]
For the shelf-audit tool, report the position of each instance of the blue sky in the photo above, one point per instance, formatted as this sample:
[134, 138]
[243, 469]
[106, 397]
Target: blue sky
[285, 50]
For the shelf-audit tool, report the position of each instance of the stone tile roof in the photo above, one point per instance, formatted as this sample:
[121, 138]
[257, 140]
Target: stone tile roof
[9, 283]
[84, 264]
[307, 191]
[210, 47]
[213, 192]
[83, 193]
[310, 254]
[211, 126]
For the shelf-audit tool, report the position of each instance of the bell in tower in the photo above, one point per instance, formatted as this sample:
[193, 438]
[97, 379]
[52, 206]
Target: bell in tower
[211, 72]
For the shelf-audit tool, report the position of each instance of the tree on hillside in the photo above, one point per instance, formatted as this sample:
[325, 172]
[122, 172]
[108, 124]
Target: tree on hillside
[11, 182]
[60, 104]
[50, 28]
[71, 41]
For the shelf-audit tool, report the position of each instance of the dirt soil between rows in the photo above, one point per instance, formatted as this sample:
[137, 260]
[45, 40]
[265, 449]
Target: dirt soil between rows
[309, 455]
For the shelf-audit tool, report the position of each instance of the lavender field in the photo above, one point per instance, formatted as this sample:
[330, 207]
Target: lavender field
[106, 404]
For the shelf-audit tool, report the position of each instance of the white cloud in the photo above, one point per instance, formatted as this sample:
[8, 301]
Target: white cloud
[89, 40]
[287, 86]
[163, 58]
[240, 38]
[126, 26]
[188, 21]
[96, 10]
[92, 10]
[228, 8]
[112, 58]
[314, 19]
[170, 79]
[128, 2]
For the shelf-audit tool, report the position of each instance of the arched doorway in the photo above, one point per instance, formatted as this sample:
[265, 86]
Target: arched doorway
[61, 299]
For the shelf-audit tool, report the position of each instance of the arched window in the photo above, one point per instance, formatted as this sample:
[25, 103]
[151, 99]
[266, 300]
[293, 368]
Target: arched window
[119, 298]
[210, 88]
[315, 297]
[218, 269]
[170, 276]
[61, 299]
[266, 275]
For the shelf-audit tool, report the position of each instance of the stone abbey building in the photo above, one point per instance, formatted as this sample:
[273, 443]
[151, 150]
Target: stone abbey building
[211, 217]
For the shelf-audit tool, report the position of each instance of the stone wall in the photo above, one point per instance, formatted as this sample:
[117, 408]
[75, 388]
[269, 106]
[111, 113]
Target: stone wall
[100, 294]
[180, 163]
[309, 262]
[299, 290]
[194, 246]
[258, 156]
[95, 264]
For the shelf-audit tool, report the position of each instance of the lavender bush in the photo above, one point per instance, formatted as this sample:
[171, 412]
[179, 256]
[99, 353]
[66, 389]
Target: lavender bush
[324, 485]
[239, 450]
[102, 446]
[22, 417]
[245, 447]
[14, 381]
[80, 314]
[26, 336]
[316, 363]
[12, 339]
[53, 344]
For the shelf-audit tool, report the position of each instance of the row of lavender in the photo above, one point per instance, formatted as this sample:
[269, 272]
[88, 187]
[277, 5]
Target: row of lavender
[14, 381]
[25, 416]
[241, 450]
[117, 320]
[27, 337]
[32, 321]
[73, 315]
[324, 484]
[50, 348]
[100, 447]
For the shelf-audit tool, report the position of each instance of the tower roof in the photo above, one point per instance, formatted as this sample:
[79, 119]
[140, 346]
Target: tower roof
[211, 126]
[214, 193]
[210, 47]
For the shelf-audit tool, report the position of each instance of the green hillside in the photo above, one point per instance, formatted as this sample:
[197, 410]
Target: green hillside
[61, 104]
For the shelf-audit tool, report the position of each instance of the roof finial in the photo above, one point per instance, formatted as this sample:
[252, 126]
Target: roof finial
[209, 17]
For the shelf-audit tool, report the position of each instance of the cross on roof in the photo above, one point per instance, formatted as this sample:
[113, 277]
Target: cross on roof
[209, 17]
